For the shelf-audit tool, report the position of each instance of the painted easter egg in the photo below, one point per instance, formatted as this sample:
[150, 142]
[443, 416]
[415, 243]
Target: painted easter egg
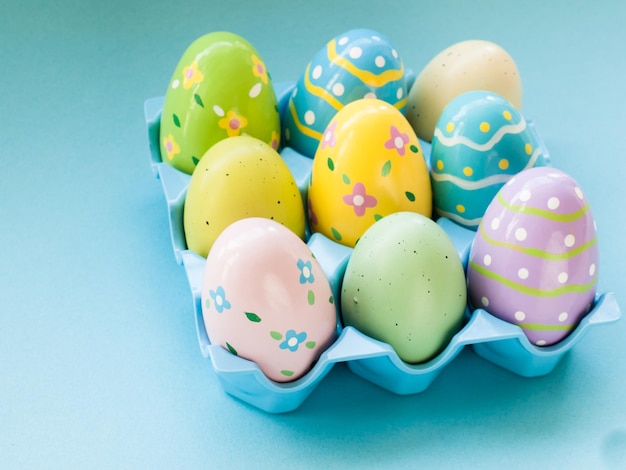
[480, 142]
[369, 164]
[265, 298]
[405, 285]
[534, 260]
[357, 64]
[462, 67]
[237, 178]
[220, 88]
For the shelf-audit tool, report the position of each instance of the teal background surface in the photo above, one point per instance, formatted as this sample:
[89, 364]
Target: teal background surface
[99, 362]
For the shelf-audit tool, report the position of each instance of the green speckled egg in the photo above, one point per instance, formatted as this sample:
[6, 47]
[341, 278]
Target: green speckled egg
[404, 285]
[220, 88]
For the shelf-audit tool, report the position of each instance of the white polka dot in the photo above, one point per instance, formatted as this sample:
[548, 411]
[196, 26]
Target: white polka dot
[376, 38]
[175, 84]
[553, 203]
[343, 41]
[592, 269]
[317, 72]
[309, 117]
[520, 316]
[520, 234]
[255, 90]
[219, 111]
[524, 195]
[541, 342]
[522, 273]
[495, 223]
[487, 260]
[370, 96]
[399, 93]
[562, 277]
[579, 193]
[355, 52]
[379, 61]
[570, 240]
[484, 301]
[394, 53]
[563, 316]
[338, 89]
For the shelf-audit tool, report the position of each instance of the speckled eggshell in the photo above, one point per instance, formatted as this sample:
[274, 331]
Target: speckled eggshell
[405, 285]
[356, 64]
[534, 260]
[219, 89]
[237, 178]
[462, 67]
[480, 142]
[265, 298]
[368, 165]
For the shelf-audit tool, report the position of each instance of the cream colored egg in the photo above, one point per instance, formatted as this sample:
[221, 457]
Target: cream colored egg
[465, 66]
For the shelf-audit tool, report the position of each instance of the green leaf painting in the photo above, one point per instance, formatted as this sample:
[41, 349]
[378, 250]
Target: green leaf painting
[386, 168]
[231, 349]
[253, 317]
[198, 100]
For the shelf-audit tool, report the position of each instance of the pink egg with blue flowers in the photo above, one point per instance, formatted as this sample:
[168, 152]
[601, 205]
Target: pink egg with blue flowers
[265, 298]
[534, 260]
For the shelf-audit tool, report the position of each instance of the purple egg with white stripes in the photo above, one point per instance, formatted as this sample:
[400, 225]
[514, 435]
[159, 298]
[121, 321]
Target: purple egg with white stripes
[534, 260]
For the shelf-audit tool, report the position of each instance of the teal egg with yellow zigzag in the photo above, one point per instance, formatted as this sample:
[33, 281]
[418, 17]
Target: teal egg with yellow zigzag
[481, 141]
[357, 64]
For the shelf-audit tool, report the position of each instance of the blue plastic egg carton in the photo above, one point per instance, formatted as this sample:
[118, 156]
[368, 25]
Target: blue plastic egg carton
[493, 339]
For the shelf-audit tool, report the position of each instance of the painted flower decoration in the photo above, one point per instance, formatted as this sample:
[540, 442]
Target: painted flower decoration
[312, 215]
[171, 147]
[329, 139]
[359, 199]
[258, 69]
[397, 141]
[233, 123]
[306, 273]
[293, 340]
[275, 140]
[191, 75]
[219, 299]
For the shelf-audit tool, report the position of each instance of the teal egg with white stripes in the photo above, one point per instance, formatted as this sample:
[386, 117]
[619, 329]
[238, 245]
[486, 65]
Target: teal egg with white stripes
[357, 64]
[480, 142]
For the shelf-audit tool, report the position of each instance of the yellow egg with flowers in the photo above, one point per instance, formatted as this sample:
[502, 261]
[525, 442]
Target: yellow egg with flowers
[369, 164]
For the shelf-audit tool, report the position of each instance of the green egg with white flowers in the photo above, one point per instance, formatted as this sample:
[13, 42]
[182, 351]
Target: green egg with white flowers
[220, 88]
[405, 285]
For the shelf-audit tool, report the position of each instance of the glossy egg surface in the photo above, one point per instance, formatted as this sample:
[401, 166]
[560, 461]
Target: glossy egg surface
[534, 261]
[356, 64]
[368, 165]
[480, 142]
[265, 298]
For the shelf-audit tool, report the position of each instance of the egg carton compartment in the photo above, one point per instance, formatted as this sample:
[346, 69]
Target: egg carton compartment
[494, 340]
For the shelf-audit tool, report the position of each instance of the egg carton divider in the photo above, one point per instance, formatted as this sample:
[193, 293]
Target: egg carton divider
[492, 339]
